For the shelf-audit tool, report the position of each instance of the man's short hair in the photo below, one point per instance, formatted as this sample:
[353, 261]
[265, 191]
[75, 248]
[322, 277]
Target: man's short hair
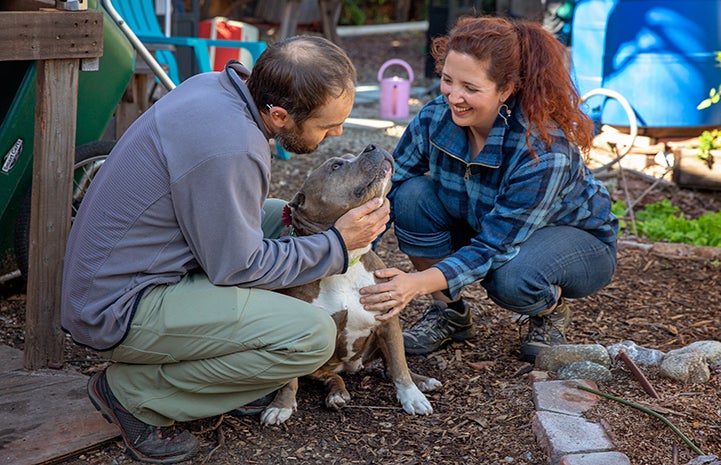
[301, 73]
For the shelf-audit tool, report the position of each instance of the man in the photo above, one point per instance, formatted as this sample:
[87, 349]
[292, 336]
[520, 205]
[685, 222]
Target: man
[175, 251]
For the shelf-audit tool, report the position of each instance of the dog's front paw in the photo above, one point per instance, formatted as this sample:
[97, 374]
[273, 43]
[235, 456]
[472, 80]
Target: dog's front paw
[276, 415]
[337, 399]
[413, 400]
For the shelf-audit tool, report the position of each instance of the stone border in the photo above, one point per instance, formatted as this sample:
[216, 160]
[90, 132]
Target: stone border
[560, 429]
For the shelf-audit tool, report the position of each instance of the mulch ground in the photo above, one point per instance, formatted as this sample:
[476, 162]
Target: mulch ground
[483, 413]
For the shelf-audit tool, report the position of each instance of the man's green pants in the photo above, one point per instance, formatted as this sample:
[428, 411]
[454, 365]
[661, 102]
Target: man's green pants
[196, 350]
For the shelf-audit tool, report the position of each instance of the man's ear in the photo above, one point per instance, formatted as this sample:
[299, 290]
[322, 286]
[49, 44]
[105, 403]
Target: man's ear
[278, 116]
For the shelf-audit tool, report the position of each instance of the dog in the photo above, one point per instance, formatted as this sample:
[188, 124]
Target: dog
[336, 186]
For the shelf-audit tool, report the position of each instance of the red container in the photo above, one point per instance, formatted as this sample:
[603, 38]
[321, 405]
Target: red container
[224, 28]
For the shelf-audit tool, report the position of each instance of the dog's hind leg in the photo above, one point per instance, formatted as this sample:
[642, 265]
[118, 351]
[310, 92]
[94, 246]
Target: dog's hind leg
[336, 393]
[408, 391]
[282, 406]
[425, 383]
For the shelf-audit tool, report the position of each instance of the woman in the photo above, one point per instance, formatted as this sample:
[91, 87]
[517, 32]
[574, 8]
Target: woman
[491, 187]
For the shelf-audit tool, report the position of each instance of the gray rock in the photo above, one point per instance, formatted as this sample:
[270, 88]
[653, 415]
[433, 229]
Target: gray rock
[687, 367]
[705, 460]
[555, 357]
[585, 370]
[710, 349]
[639, 355]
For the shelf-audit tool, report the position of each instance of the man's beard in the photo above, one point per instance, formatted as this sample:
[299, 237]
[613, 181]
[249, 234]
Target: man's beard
[292, 142]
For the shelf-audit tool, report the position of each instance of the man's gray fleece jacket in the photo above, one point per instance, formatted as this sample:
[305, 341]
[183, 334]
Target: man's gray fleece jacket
[183, 189]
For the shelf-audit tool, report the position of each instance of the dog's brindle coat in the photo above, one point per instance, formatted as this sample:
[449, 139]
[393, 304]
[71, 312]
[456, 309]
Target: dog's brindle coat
[335, 187]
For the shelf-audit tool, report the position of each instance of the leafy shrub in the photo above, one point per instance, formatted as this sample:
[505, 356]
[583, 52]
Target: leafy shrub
[707, 141]
[663, 221]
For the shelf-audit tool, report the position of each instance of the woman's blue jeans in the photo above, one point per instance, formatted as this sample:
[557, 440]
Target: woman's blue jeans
[553, 261]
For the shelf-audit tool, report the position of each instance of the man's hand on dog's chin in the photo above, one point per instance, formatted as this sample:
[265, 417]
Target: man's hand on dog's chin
[360, 226]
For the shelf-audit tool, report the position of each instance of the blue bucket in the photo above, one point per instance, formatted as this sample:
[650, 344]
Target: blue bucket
[660, 55]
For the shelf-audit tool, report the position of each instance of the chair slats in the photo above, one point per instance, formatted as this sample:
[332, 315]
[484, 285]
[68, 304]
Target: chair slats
[140, 16]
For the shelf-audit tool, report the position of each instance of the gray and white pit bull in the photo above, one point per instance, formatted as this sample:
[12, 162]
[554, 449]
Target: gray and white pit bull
[335, 187]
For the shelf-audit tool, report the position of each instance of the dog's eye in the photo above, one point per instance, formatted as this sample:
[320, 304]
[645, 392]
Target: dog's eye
[336, 165]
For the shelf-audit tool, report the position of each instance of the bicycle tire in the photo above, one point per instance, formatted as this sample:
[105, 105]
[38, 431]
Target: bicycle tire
[88, 160]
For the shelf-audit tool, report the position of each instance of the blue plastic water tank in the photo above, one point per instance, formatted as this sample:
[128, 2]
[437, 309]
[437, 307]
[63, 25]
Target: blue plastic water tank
[588, 42]
[660, 55]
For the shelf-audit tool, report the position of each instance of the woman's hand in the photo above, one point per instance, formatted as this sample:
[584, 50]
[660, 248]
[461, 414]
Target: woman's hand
[360, 226]
[390, 297]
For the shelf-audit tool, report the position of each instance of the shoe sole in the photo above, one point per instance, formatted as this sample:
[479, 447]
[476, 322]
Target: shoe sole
[456, 337]
[102, 406]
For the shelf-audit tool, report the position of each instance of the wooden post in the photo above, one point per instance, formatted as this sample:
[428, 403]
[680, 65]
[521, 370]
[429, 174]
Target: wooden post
[55, 122]
[59, 40]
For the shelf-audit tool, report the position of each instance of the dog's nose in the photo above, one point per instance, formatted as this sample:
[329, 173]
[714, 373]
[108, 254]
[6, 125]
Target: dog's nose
[370, 148]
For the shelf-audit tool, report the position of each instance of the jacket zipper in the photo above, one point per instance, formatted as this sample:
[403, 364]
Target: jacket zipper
[467, 174]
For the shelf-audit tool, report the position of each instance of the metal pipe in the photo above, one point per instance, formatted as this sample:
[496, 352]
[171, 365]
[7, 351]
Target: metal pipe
[9, 276]
[139, 46]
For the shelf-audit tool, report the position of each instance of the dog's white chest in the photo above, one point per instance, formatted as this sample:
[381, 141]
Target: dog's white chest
[341, 292]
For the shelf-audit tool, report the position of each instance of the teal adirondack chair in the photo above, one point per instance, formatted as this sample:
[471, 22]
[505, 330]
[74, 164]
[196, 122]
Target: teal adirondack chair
[140, 16]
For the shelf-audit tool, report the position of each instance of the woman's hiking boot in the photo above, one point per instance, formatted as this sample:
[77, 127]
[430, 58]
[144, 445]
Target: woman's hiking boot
[439, 326]
[254, 408]
[146, 443]
[545, 331]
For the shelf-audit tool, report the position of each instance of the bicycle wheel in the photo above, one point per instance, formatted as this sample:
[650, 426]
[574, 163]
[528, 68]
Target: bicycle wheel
[88, 160]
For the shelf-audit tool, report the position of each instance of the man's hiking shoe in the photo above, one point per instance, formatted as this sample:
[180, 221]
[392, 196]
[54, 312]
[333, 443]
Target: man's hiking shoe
[146, 443]
[545, 331]
[439, 326]
[254, 408]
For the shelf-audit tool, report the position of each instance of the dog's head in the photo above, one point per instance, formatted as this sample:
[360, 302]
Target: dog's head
[338, 185]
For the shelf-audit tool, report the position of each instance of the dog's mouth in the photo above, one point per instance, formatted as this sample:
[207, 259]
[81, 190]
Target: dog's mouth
[387, 167]
[380, 184]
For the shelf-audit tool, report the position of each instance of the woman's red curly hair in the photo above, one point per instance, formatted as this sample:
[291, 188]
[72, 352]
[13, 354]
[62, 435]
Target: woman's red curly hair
[530, 59]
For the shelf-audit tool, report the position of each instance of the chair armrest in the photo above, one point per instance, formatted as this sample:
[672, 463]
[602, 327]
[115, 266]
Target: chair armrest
[200, 46]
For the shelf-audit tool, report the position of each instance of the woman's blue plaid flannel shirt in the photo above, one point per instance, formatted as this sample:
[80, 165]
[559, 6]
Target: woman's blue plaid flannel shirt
[504, 193]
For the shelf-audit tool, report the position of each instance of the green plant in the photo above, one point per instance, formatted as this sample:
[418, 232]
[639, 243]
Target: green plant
[707, 141]
[714, 94]
[662, 221]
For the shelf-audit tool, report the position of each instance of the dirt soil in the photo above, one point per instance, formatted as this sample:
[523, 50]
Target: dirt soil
[483, 413]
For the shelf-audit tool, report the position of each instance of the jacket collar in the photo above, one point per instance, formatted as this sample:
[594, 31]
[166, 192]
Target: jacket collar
[453, 139]
[237, 75]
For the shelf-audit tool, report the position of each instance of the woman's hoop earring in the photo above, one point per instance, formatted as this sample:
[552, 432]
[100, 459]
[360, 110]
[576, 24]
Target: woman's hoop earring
[504, 109]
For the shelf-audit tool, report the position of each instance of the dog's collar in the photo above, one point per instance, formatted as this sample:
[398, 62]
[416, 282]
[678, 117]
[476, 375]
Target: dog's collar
[288, 220]
[353, 261]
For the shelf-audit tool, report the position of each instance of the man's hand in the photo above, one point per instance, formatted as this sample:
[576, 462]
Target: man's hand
[360, 226]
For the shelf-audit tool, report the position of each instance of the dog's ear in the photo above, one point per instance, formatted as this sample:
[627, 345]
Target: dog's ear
[297, 201]
[347, 156]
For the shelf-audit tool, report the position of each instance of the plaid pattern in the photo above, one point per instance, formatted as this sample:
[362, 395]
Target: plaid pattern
[504, 193]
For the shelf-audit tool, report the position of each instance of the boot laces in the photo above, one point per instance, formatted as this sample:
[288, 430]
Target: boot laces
[431, 324]
[544, 329]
